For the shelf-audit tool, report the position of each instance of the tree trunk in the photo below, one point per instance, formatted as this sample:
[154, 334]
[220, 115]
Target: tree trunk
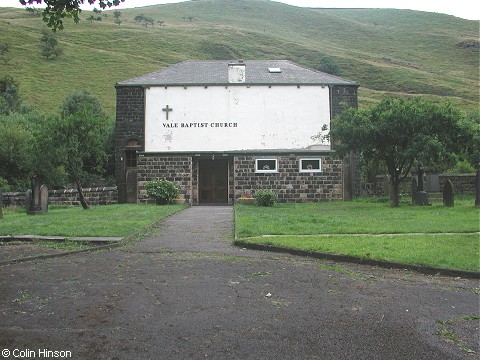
[81, 195]
[395, 196]
[477, 188]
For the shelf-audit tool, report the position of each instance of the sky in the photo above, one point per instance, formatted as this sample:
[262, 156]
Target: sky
[466, 9]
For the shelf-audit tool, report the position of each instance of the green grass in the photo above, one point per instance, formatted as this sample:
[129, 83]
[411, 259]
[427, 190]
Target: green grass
[111, 220]
[459, 251]
[355, 217]
[384, 50]
[446, 236]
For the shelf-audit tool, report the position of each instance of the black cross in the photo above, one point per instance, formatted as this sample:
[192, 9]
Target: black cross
[167, 110]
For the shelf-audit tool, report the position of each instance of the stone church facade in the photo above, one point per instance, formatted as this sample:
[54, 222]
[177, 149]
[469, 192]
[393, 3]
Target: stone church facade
[221, 129]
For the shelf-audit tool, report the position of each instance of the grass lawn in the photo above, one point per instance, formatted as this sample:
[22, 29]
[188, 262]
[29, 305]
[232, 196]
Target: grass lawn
[107, 220]
[305, 226]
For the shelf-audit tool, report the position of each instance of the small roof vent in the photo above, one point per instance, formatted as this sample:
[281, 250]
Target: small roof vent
[274, 70]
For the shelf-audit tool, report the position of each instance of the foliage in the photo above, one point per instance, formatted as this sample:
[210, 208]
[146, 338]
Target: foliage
[4, 52]
[461, 167]
[329, 66]
[50, 47]
[56, 10]
[9, 95]
[265, 198]
[78, 137]
[470, 126]
[399, 133]
[162, 190]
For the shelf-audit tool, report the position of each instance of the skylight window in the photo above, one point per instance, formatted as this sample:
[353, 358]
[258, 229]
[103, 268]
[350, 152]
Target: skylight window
[274, 70]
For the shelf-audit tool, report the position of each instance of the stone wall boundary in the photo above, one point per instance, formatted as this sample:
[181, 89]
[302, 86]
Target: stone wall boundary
[94, 196]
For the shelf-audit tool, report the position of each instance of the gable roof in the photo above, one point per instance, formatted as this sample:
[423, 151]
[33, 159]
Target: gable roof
[215, 72]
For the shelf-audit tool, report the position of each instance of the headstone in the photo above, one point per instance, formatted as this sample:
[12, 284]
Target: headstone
[421, 195]
[448, 193]
[433, 183]
[44, 198]
[414, 190]
[420, 179]
[35, 201]
[1, 204]
[28, 200]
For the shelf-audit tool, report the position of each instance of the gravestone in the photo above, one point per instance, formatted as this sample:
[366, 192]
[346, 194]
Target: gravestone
[421, 195]
[1, 204]
[448, 193]
[44, 198]
[36, 201]
[28, 199]
[420, 179]
[414, 190]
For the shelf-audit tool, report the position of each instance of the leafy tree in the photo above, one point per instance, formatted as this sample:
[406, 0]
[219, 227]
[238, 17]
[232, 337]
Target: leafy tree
[471, 140]
[56, 10]
[25, 153]
[78, 136]
[399, 133]
[4, 52]
[9, 96]
[50, 47]
[329, 66]
[116, 15]
[16, 151]
[33, 11]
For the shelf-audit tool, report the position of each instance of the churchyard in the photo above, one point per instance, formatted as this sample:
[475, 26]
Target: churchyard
[435, 236]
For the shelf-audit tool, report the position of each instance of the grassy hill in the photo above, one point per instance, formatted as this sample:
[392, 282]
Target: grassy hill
[384, 51]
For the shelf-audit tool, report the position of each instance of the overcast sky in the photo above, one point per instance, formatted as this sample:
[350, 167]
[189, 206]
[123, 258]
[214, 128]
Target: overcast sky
[467, 9]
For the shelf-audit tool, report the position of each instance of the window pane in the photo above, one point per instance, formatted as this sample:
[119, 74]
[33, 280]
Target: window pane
[266, 165]
[310, 165]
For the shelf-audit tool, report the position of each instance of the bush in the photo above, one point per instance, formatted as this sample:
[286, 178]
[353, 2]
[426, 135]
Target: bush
[163, 191]
[265, 198]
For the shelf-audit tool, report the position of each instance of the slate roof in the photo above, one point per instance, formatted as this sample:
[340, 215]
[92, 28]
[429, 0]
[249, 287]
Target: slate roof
[215, 72]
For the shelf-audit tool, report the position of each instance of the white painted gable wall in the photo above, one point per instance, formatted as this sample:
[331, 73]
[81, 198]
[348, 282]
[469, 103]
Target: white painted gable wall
[257, 118]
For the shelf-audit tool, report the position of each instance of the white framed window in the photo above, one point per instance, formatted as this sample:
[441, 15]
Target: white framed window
[266, 165]
[310, 165]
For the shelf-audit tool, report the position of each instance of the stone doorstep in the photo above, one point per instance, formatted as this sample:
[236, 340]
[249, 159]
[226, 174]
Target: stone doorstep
[92, 239]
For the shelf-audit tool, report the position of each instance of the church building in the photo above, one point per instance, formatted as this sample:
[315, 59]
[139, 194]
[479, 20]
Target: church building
[221, 130]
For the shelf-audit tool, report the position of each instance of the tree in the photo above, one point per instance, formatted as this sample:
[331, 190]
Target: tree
[56, 10]
[50, 47]
[4, 51]
[398, 132]
[471, 141]
[9, 96]
[25, 153]
[329, 66]
[116, 15]
[78, 136]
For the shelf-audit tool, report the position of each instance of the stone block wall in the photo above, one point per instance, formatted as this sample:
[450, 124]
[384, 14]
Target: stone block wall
[464, 183]
[94, 196]
[130, 125]
[177, 169]
[289, 184]
[343, 97]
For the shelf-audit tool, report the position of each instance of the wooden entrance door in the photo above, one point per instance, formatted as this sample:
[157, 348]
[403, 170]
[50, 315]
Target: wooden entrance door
[131, 176]
[213, 182]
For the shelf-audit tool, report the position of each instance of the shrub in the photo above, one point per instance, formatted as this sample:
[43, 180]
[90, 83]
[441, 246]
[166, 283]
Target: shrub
[265, 198]
[162, 190]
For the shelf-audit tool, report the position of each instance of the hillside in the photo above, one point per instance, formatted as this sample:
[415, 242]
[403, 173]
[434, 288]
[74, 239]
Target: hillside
[384, 51]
